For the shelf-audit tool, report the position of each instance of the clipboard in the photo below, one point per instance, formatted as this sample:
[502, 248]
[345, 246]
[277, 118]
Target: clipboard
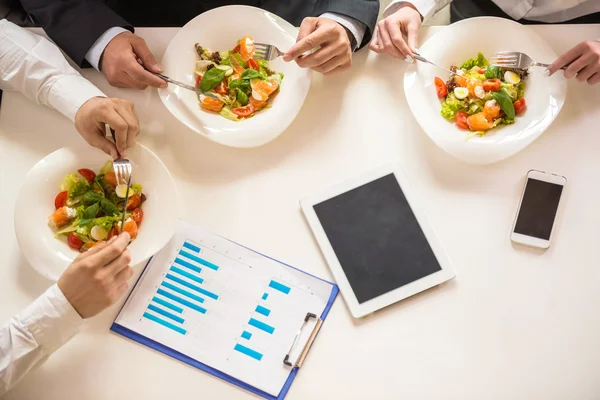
[297, 347]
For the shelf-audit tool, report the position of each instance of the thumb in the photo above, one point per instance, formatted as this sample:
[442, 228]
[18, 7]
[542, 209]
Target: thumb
[308, 26]
[143, 53]
[100, 142]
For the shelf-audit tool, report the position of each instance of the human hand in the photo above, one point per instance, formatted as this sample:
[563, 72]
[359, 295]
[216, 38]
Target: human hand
[98, 277]
[123, 62]
[583, 60]
[388, 37]
[119, 114]
[334, 54]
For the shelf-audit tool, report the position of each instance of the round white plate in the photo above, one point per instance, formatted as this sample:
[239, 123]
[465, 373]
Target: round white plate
[49, 255]
[219, 30]
[461, 41]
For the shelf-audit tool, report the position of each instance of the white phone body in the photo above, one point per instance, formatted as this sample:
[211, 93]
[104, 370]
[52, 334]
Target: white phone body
[538, 209]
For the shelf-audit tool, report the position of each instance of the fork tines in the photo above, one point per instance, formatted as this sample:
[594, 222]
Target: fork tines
[505, 59]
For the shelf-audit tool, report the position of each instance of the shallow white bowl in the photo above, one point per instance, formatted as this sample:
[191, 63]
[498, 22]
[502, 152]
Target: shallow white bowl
[51, 256]
[461, 41]
[219, 30]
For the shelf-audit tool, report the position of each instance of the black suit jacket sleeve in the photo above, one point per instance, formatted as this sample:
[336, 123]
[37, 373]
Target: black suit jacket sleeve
[74, 25]
[365, 11]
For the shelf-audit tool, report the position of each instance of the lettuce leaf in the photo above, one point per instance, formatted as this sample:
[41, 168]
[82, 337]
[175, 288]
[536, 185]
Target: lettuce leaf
[106, 222]
[451, 106]
[479, 61]
[106, 168]
[520, 90]
[137, 188]
[227, 113]
[75, 185]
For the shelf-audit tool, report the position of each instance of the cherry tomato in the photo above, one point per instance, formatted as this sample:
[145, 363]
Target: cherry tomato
[198, 81]
[110, 179]
[112, 233]
[74, 242]
[461, 120]
[246, 48]
[134, 202]
[520, 106]
[222, 87]
[481, 71]
[236, 49]
[440, 88]
[88, 174]
[252, 63]
[460, 80]
[60, 200]
[491, 85]
[244, 111]
[138, 216]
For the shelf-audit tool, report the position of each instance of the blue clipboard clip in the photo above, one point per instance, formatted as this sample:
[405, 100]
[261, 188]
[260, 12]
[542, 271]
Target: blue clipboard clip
[309, 342]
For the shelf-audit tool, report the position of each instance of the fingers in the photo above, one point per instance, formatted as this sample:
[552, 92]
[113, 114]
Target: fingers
[145, 55]
[565, 59]
[595, 79]
[374, 45]
[319, 57]
[308, 43]
[110, 252]
[576, 66]
[127, 112]
[306, 28]
[116, 122]
[586, 73]
[412, 35]
[99, 141]
[119, 264]
[123, 275]
[332, 64]
[143, 77]
[386, 39]
[121, 290]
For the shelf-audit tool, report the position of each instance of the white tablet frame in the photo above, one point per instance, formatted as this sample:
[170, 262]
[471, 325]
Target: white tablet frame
[356, 309]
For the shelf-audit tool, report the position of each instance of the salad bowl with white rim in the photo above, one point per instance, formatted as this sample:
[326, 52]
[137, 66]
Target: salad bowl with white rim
[50, 255]
[219, 29]
[458, 42]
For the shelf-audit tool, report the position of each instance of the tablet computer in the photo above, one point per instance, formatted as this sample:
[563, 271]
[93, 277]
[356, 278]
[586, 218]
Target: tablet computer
[377, 239]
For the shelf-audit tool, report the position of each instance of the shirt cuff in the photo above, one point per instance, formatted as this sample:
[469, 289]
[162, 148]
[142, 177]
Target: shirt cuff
[51, 319]
[356, 28]
[70, 92]
[425, 8]
[95, 52]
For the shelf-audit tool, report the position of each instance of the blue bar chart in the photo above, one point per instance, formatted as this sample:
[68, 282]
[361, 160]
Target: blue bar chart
[181, 290]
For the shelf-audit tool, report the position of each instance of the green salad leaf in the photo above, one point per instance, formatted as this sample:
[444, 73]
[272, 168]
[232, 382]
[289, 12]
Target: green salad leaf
[91, 197]
[251, 74]
[234, 84]
[137, 188]
[479, 61]
[493, 71]
[211, 79]
[510, 89]
[520, 90]
[106, 222]
[106, 168]
[242, 97]
[505, 102]
[75, 185]
[227, 113]
[451, 106]
[108, 207]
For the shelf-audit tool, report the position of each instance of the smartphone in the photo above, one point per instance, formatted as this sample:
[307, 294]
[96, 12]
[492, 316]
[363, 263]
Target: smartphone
[534, 224]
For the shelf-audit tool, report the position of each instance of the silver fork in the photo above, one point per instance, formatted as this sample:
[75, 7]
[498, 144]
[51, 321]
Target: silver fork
[515, 59]
[183, 85]
[266, 52]
[122, 169]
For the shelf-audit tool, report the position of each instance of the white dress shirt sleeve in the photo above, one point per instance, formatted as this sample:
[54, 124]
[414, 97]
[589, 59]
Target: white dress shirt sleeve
[95, 52]
[427, 8]
[356, 28]
[35, 67]
[31, 336]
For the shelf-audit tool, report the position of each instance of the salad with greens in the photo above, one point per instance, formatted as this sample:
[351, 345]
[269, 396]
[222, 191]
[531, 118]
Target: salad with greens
[233, 83]
[480, 96]
[90, 207]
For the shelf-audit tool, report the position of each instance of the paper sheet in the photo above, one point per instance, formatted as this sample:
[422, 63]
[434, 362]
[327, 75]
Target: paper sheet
[225, 306]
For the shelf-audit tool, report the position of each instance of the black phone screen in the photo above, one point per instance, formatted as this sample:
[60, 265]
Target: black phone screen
[538, 209]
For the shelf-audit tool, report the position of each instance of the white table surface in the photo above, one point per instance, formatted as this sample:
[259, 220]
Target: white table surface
[514, 324]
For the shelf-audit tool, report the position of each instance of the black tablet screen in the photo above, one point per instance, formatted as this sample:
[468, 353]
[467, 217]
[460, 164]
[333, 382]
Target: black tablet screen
[376, 238]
